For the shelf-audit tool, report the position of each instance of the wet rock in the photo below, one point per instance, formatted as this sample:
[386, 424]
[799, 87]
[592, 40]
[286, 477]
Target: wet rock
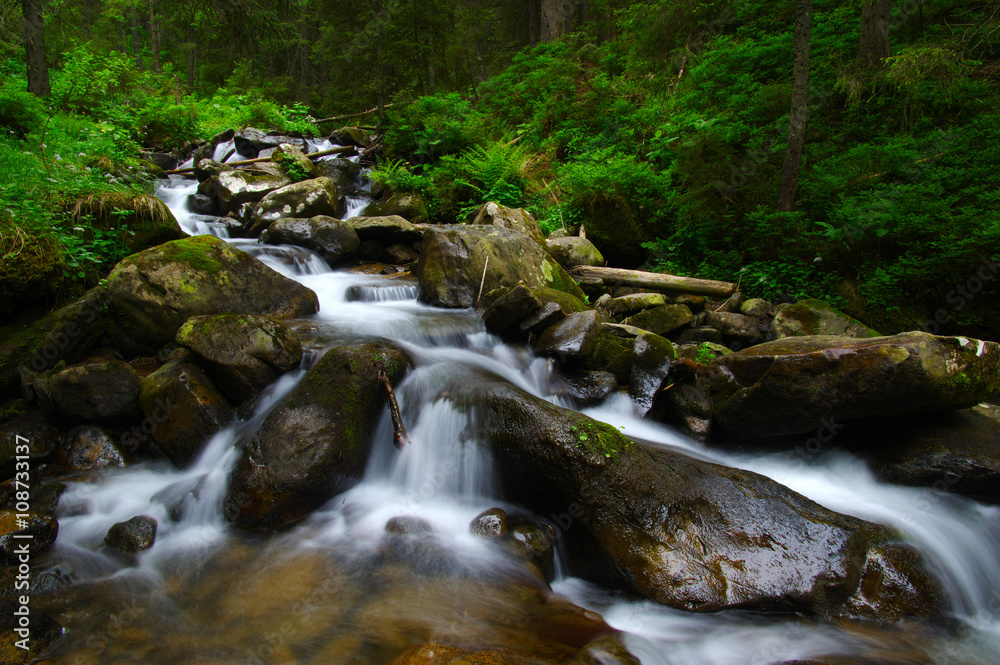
[239, 187]
[510, 309]
[135, 535]
[102, 391]
[302, 200]
[41, 435]
[351, 136]
[91, 448]
[546, 317]
[622, 330]
[43, 632]
[202, 204]
[153, 293]
[816, 317]
[791, 385]
[331, 238]
[490, 523]
[293, 162]
[407, 525]
[207, 150]
[591, 387]
[399, 254]
[386, 230]
[14, 526]
[572, 251]
[661, 320]
[703, 353]
[738, 328]
[515, 219]
[630, 304]
[894, 586]
[538, 544]
[184, 407]
[410, 207]
[700, 335]
[162, 160]
[612, 354]
[244, 354]
[250, 142]
[316, 441]
[686, 404]
[685, 533]
[573, 338]
[605, 650]
[455, 259]
[45, 498]
[651, 357]
[206, 168]
[343, 172]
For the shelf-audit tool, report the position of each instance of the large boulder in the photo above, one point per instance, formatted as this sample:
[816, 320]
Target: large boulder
[816, 317]
[183, 408]
[240, 186]
[306, 199]
[793, 385]
[387, 230]
[331, 238]
[155, 292]
[661, 320]
[572, 251]
[293, 162]
[683, 532]
[244, 354]
[410, 207]
[316, 441]
[99, 391]
[457, 263]
[515, 219]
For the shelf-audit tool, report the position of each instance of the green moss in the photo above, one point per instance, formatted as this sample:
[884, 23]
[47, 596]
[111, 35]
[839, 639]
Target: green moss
[600, 439]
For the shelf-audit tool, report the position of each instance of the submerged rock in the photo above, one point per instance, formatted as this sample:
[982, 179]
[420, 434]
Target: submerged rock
[790, 386]
[316, 441]
[457, 263]
[686, 533]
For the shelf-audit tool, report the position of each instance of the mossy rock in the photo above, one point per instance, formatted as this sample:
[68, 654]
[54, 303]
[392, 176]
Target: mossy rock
[680, 531]
[302, 200]
[240, 186]
[661, 320]
[612, 354]
[572, 251]
[651, 358]
[515, 219]
[293, 162]
[410, 207]
[816, 317]
[31, 265]
[154, 292]
[458, 262]
[792, 385]
[335, 241]
[316, 442]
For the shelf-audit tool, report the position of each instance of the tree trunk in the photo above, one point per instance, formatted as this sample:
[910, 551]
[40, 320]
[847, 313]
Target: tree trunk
[534, 21]
[34, 48]
[557, 15]
[136, 46]
[430, 63]
[656, 281]
[874, 45]
[154, 35]
[191, 45]
[800, 107]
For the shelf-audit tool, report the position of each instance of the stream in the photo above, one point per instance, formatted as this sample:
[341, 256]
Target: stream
[335, 589]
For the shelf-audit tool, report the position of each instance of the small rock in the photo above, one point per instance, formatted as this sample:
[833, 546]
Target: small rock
[700, 335]
[591, 387]
[491, 523]
[572, 338]
[540, 321]
[626, 305]
[406, 525]
[135, 535]
[91, 448]
[15, 525]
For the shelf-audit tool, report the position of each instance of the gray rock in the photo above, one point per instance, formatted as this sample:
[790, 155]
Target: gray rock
[331, 238]
[515, 219]
[135, 535]
[573, 338]
[816, 317]
[661, 320]
[572, 251]
[652, 357]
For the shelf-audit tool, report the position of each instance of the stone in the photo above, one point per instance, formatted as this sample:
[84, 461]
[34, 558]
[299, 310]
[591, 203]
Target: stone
[622, 330]
[757, 308]
[303, 200]
[135, 535]
[387, 230]
[794, 385]
[14, 526]
[735, 328]
[331, 238]
[816, 317]
[490, 523]
[661, 320]
[202, 204]
[399, 254]
[572, 251]
[293, 162]
[154, 292]
[183, 408]
[651, 358]
[457, 263]
[410, 207]
[515, 219]
[510, 309]
[573, 338]
[700, 335]
[99, 391]
[316, 441]
[243, 354]
[626, 305]
[612, 354]
[535, 324]
[42, 440]
[407, 525]
[587, 388]
[239, 186]
[91, 448]
[44, 631]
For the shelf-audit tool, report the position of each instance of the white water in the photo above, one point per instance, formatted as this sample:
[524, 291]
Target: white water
[446, 478]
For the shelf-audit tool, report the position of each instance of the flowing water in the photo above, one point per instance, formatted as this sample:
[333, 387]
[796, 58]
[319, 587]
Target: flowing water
[339, 589]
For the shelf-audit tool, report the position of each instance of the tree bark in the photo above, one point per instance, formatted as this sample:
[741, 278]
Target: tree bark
[874, 44]
[534, 21]
[154, 35]
[34, 48]
[657, 281]
[136, 46]
[800, 107]
[557, 15]
[191, 46]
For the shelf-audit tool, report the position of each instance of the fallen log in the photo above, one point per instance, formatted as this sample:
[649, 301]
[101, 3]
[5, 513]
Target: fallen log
[258, 160]
[656, 281]
[401, 438]
[351, 115]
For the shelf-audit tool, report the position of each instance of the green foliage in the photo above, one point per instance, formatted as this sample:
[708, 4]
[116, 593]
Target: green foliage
[432, 127]
[20, 112]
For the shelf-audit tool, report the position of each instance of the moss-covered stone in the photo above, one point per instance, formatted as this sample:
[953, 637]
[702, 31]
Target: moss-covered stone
[316, 441]
[651, 358]
[103, 391]
[458, 262]
[515, 219]
[612, 354]
[572, 251]
[791, 385]
[661, 320]
[816, 317]
[293, 162]
[154, 292]
[238, 187]
[410, 207]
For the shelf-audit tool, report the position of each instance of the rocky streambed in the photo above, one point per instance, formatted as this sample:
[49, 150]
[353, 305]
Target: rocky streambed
[590, 473]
